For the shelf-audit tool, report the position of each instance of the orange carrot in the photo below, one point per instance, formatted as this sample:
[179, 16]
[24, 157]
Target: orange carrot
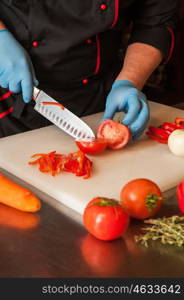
[17, 196]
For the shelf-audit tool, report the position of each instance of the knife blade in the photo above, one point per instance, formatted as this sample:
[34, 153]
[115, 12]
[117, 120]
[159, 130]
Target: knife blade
[61, 116]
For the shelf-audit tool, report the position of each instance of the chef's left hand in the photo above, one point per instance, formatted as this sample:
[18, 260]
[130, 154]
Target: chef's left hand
[124, 96]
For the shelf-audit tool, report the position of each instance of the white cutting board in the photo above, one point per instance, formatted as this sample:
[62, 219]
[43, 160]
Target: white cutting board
[111, 170]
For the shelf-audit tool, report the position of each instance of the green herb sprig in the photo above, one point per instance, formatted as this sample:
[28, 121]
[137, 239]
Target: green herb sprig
[168, 230]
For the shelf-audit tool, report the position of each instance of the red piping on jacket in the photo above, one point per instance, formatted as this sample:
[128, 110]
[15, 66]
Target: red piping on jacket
[5, 96]
[172, 43]
[6, 112]
[98, 58]
[116, 13]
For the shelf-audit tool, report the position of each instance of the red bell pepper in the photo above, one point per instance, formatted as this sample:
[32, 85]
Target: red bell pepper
[161, 133]
[157, 138]
[78, 164]
[54, 163]
[48, 163]
[169, 127]
[180, 196]
[158, 134]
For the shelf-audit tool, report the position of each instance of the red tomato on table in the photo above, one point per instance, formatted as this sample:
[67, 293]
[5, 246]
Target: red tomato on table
[141, 198]
[105, 219]
[116, 133]
[93, 146]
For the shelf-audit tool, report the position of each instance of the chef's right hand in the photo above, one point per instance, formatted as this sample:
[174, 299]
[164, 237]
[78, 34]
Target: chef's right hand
[16, 70]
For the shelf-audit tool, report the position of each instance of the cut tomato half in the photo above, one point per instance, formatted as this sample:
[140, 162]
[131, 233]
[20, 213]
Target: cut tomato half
[92, 146]
[116, 134]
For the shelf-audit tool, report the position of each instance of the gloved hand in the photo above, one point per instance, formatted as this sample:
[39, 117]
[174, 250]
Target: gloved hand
[124, 96]
[16, 70]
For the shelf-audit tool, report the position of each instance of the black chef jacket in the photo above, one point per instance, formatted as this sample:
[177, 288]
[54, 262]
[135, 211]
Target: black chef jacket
[74, 47]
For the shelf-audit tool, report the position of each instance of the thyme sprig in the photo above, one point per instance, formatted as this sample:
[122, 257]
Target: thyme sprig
[169, 230]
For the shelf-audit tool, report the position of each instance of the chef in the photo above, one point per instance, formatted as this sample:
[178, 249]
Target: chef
[72, 50]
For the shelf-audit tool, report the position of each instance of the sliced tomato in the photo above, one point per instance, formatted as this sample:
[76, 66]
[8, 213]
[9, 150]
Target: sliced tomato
[116, 134]
[93, 146]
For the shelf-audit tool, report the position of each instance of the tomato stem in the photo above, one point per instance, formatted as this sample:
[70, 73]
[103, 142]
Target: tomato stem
[106, 202]
[152, 200]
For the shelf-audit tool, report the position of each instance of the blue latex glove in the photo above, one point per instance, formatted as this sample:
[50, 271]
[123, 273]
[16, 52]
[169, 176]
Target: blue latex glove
[16, 70]
[124, 96]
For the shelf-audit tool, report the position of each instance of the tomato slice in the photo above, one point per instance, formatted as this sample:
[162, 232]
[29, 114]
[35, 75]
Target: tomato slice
[93, 146]
[116, 134]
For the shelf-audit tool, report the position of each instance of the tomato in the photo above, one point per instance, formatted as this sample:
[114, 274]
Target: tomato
[116, 133]
[93, 146]
[141, 198]
[105, 219]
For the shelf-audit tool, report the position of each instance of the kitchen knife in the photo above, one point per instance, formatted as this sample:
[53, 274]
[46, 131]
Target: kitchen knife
[61, 116]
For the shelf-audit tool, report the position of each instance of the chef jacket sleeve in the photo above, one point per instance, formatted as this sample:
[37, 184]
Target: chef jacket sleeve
[154, 24]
